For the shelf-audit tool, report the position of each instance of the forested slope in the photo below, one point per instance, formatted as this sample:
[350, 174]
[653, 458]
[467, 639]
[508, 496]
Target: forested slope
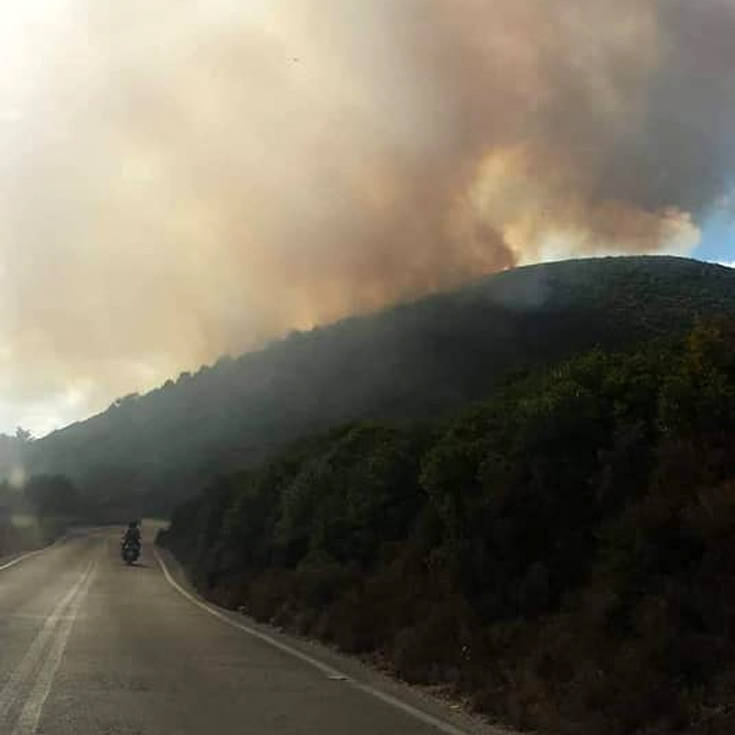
[414, 360]
[562, 554]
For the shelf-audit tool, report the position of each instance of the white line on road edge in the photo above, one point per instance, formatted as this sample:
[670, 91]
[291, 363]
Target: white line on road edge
[30, 716]
[35, 552]
[9, 692]
[332, 673]
[19, 559]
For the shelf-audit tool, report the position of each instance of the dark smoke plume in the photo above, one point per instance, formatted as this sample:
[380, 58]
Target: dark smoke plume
[182, 179]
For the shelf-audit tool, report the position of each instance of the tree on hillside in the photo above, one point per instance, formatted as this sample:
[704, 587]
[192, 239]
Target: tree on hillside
[52, 495]
[23, 435]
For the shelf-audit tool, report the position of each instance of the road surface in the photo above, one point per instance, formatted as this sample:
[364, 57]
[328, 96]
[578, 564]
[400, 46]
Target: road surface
[88, 645]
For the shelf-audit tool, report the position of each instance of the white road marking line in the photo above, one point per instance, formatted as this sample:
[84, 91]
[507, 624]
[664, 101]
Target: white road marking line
[29, 554]
[9, 692]
[324, 668]
[330, 672]
[19, 559]
[30, 716]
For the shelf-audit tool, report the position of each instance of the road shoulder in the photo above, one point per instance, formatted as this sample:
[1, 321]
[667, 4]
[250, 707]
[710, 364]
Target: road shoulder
[335, 664]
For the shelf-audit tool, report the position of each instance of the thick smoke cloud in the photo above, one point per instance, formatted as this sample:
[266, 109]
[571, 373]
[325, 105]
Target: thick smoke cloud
[183, 179]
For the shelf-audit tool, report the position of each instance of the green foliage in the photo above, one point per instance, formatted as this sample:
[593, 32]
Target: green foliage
[51, 495]
[39, 512]
[562, 552]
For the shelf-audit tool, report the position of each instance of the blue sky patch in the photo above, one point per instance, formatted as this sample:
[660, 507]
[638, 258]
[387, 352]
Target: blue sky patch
[718, 238]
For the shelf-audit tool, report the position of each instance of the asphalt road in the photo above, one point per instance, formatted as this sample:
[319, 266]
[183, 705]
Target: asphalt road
[89, 645]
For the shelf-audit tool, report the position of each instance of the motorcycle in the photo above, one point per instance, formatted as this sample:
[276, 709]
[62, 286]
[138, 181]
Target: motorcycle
[130, 552]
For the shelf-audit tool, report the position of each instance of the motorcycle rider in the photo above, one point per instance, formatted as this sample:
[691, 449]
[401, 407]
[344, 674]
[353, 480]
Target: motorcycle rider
[132, 535]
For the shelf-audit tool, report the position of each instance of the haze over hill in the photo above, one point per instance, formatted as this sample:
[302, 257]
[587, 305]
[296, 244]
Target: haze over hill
[416, 360]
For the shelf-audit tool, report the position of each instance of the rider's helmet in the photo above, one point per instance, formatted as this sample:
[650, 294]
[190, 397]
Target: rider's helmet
[133, 524]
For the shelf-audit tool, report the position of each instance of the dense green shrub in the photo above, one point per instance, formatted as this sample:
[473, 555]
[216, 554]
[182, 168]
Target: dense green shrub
[563, 552]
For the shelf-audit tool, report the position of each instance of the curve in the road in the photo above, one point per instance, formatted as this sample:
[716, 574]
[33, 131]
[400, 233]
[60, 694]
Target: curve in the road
[90, 645]
[329, 671]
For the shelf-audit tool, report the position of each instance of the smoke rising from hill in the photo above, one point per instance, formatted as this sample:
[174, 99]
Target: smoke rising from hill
[179, 180]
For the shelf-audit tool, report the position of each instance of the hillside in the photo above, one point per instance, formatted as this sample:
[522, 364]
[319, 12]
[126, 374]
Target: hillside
[560, 556]
[414, 360]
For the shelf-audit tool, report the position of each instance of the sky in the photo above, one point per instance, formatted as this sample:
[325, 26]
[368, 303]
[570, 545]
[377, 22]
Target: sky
[185, 179]
[717, 242]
